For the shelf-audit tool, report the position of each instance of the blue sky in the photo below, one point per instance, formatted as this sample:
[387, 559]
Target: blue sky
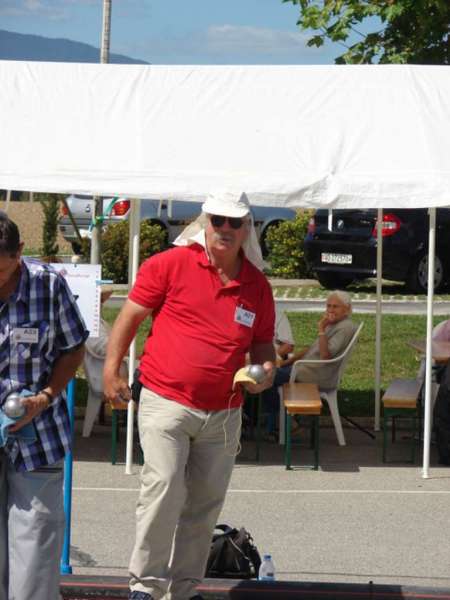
[176, 31]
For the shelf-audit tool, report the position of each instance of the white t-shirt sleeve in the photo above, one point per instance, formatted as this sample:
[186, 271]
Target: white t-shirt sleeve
[97, 346]
[283, 331]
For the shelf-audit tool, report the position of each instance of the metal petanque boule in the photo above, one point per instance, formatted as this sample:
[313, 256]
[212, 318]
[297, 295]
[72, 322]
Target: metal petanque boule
[13, 407]
[256, 372]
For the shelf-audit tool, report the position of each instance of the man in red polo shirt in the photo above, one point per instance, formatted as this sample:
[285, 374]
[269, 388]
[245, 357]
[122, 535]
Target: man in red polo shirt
[210, 306]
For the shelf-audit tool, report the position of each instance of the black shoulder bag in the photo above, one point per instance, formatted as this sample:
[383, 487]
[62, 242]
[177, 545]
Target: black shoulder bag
[233, 554]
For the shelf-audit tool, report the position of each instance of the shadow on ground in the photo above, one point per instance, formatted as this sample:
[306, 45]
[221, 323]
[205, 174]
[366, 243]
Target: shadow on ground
[360, 450]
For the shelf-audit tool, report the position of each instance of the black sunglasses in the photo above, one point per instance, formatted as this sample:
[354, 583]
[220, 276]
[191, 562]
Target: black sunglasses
[219, 221]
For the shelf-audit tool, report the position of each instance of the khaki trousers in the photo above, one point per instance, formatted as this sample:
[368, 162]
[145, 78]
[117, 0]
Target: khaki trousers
[188, 459]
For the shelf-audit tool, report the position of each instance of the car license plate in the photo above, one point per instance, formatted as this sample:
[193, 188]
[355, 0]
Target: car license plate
[336, 259]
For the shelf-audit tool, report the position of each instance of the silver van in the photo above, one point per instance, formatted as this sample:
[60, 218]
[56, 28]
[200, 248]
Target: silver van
[171, 216]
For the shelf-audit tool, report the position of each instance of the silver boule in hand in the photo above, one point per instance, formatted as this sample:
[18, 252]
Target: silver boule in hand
[13, 407]
[256, 372]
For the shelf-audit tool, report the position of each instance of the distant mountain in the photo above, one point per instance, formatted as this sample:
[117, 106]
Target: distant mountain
[19, 46]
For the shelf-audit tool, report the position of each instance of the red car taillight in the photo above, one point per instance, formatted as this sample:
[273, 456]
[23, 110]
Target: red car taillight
[311, 226]
[63, 210]
[120, 208]
[391, 224]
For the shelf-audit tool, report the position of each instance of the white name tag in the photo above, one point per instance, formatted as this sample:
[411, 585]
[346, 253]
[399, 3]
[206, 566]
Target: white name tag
[26, 335]
[244, 317]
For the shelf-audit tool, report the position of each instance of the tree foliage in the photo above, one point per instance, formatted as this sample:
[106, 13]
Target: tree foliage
[50, 208]
[285, 242]
[411, 31]
[115, 248]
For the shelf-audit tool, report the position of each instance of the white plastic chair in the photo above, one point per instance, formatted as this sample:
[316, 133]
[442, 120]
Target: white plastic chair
[421, 371]
[330, 396]
[93, 368]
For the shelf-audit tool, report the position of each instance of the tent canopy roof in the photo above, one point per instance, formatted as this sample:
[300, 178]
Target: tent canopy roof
[312, 136]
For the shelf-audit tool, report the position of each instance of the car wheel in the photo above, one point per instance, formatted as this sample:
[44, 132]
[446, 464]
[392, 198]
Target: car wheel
[265, 248]
[417, 280]
[333, 281]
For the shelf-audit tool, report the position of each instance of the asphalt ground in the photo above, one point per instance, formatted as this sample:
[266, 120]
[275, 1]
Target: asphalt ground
[355, 520]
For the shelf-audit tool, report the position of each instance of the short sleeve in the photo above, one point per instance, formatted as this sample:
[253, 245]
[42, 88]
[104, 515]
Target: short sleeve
[150, 287]
[97, 346]
[283, 331]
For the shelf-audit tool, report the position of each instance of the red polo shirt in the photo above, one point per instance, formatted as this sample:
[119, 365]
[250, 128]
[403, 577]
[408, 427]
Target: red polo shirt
[195, 345]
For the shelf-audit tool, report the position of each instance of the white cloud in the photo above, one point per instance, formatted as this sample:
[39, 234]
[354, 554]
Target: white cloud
[238, 39]
[54, 10]
[228, 44]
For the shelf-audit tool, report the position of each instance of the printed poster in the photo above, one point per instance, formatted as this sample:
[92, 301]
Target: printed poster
[83, 282]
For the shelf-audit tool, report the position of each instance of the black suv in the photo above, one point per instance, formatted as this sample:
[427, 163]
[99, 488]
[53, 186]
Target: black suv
[348, 251]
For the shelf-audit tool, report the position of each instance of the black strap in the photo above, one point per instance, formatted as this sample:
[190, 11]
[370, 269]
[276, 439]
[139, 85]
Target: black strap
[224, 528]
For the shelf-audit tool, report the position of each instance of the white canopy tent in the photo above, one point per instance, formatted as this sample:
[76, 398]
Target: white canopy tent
[367, 136]
[298, 136]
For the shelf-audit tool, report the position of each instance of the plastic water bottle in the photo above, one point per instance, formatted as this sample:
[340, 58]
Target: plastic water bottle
[267, 569]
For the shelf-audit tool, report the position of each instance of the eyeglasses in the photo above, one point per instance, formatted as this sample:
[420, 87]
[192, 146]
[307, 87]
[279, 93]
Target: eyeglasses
[219, 221]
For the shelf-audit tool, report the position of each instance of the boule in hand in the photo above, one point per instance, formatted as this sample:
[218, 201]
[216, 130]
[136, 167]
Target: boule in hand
[13, 407]
[256, 372]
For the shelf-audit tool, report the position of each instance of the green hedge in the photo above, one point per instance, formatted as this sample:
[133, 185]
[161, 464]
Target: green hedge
[115, 238]
[285, 243]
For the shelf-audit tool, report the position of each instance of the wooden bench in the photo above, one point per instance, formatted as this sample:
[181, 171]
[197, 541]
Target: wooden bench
[302, 399]
[400, 400]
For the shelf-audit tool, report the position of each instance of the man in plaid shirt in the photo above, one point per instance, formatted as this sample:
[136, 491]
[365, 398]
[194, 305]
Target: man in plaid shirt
[42, 337]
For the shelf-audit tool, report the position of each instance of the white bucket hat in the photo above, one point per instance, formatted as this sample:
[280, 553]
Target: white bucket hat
[227, 204]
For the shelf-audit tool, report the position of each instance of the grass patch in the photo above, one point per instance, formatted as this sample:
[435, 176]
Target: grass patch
[357, 389]
[109, 314]
[397, 358]
[33, 252]
[361, 290]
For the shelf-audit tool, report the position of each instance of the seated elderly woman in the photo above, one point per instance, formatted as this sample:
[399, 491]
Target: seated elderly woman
[335, 330]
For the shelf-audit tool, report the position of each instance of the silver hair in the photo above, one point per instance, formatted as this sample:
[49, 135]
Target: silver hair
[343, 297]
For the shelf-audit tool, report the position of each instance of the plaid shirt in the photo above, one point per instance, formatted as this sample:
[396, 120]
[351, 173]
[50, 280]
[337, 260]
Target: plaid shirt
[42, 301]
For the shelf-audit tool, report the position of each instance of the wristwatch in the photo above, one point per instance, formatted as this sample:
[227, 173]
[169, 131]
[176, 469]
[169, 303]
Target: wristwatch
[49, 396]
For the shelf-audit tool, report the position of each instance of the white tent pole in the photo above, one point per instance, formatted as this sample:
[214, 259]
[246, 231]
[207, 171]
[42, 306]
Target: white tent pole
[96, 238]
[429, 354]
[8, 200]
[378, 319]
[134, 251]
[130, 247]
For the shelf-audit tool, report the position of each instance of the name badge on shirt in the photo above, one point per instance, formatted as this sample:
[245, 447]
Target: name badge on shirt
[26, 335]
[244, 317]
